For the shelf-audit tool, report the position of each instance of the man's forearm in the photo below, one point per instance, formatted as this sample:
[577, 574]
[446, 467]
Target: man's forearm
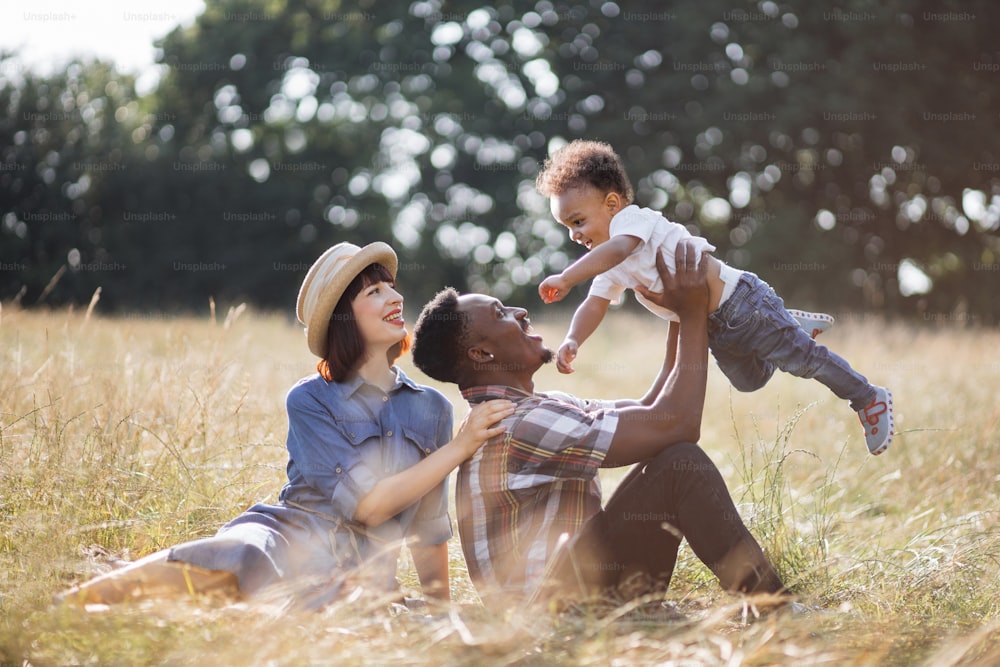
[669, 359]
[675, 414]
[683, 393]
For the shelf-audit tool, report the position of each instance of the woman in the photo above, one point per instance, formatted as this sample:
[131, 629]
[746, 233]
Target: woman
[369, 453]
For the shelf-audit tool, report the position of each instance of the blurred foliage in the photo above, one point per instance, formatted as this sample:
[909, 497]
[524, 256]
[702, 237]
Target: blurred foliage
[832, 148]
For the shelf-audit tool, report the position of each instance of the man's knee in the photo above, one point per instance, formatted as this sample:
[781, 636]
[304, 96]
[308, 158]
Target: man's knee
[680, 457]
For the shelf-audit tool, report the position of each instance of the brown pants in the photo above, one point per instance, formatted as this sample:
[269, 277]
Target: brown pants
[631, 545]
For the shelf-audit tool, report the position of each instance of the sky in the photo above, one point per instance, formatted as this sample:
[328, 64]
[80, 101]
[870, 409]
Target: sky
[47, 33]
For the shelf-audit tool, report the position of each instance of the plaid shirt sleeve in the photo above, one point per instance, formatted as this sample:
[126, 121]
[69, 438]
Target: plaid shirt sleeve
[559, 437]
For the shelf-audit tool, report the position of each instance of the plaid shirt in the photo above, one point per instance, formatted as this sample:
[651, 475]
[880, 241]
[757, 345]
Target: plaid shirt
[523, 489]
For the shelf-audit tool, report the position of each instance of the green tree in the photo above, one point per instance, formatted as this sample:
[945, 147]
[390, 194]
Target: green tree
[60, 143]
[835, 149]
[820, 146]
[829, 148]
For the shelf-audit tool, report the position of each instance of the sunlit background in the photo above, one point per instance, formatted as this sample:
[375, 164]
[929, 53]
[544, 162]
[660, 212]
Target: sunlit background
[847, 156]
[47, 34]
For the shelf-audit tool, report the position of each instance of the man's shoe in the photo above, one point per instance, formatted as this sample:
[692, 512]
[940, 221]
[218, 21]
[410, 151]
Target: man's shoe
[813, 323]
[877, 419]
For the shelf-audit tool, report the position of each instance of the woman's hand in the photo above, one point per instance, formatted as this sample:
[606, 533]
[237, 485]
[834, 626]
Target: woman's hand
[393, 494]
[481, 424]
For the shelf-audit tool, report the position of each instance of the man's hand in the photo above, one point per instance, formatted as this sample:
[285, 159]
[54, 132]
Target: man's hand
[685, 291]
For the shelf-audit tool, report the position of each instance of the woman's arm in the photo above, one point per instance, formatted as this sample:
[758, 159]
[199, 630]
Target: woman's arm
[393, 494]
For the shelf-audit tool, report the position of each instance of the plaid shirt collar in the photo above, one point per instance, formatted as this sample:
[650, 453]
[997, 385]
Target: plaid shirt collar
[488, 392]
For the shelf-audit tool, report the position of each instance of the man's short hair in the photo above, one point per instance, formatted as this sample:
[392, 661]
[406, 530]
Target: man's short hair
[438, 337]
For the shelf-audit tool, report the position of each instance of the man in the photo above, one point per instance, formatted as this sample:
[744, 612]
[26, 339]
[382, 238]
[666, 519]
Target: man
[529, 502]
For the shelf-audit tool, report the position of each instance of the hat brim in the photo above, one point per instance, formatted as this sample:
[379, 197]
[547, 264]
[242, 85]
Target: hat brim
[318, 326]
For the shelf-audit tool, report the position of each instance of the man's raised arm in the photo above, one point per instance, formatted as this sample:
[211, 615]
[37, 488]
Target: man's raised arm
[675, 413]
[669, 359]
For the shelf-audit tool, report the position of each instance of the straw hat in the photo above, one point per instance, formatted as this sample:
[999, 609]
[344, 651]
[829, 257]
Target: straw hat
[326, 281]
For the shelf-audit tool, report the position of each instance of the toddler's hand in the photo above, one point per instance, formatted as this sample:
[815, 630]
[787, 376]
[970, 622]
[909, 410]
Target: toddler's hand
[553, 289]
[566, 355]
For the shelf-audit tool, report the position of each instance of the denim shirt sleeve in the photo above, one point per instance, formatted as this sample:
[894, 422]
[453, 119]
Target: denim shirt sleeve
[325, 451]
[431, 523]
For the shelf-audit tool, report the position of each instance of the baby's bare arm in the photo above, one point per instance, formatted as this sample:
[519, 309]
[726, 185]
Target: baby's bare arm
[587, 318]
[606, 256]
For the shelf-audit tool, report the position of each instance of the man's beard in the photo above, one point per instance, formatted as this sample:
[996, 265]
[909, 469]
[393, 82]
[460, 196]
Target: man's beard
[548, 355]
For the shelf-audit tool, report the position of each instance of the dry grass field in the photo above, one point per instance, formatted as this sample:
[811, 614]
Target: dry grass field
[119, 436]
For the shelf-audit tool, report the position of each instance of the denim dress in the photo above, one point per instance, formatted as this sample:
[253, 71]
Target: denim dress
[343, 437]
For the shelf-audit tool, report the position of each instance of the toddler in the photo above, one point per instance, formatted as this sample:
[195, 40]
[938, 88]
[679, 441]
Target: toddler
[750, 331]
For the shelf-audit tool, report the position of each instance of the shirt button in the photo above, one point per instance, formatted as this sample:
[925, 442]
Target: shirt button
[385, 399]
[427, 450]
[338, 468]
[388, 434]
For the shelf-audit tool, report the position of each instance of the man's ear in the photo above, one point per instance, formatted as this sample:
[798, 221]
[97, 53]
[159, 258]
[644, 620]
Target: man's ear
[479, 355]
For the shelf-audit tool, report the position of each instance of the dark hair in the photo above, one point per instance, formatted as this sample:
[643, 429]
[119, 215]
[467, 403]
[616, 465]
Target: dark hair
[438, 337]
[344, 345]
[583, 162]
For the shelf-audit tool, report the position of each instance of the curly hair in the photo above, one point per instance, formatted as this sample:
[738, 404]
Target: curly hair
[584, 162]
[438, 337]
